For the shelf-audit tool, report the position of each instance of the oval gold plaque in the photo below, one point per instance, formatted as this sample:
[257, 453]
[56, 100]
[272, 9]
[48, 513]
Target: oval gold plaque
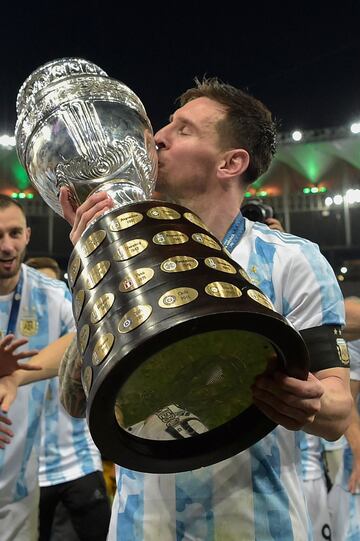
[97, 273]
[222, 290]
[102, 348]
[179, 263]
[206, 240]
[163, 213]
[194, 220]
[219, 264]
[260, 298]
[130, 249]
[79, 303]
[170, 237]
[126, 220]
[178, 297]
[86, 379]
[134, 318]
[101, 307]
[245, 275]
[92, 242]
[135, 279]
[84, 337]
[74, 268]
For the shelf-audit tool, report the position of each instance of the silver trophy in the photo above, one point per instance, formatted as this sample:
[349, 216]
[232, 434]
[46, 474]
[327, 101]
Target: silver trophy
[171, 331]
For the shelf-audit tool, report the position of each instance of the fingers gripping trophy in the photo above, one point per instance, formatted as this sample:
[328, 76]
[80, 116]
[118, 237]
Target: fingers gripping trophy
[171, 331]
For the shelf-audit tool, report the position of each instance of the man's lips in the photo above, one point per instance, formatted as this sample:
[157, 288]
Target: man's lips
[7, 262]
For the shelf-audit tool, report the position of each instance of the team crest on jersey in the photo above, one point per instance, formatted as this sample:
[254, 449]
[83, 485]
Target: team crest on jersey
[29, 324]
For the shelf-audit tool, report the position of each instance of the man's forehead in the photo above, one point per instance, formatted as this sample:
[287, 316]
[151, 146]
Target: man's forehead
[200, 108]
[13, 216]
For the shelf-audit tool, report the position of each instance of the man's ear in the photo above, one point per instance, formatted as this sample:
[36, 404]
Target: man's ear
[28, 235]
[233, 163]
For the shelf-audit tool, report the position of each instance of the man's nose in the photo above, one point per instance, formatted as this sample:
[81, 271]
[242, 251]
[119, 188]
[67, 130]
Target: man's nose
[160, 139]
[6, 245]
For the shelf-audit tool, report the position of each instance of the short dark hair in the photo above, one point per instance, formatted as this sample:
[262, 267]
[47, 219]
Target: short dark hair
[44, 262]
[6, 202]
[248, 123]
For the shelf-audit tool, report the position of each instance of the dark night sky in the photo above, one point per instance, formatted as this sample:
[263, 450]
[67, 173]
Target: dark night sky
[301, 59]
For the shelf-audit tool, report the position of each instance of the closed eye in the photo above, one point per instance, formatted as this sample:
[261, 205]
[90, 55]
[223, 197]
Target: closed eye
[184, 130]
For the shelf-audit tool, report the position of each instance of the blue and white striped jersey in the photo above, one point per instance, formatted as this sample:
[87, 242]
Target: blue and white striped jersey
[312, 463]
[67, 451]
[257, 494]
[45, 314]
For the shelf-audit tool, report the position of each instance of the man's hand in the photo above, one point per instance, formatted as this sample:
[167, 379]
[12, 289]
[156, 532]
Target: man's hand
[288, 401]
[8, 391]
[80, 217]
[9, 358]
[5, 433]
[273, 223]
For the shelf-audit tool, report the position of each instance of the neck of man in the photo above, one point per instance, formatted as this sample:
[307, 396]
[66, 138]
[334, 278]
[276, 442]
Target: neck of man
[217, 213]
[7, 285]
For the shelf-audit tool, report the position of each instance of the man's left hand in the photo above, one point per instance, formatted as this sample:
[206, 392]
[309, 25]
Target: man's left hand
[289, 402]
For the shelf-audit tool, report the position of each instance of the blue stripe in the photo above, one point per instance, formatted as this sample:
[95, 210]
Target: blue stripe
[331, 296]
[271, 504]
[130, 521]
[34, 406]
[191, 492]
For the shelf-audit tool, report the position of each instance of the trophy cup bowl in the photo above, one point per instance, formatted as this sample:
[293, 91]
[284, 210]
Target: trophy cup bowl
[171, 330]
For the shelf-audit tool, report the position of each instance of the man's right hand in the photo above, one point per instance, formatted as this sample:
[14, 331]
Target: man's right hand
[9, 357]
[8, 391]
[5, 433]
[94, 206]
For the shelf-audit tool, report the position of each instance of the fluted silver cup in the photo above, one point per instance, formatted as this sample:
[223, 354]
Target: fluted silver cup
[79, 128]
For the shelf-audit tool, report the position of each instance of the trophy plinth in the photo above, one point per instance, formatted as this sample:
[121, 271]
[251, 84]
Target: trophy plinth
[171, 330]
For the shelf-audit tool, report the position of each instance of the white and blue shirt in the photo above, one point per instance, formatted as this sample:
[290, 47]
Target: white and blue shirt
[44, 314]
[67, 449]
[257, 494]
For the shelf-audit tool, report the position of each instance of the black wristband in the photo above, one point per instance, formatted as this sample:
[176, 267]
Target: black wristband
[327, 348]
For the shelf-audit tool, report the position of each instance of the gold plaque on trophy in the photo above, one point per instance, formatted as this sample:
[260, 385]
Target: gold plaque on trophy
[206, 240]
[179, 263]
[170, 237]
[178, 297]
[126, 220]
[97, 273]
[130, 249]
[101, 307]
[223, 290]
[219, 264]
[134, 318]
[135, 279]
[92, 242]
[102, 348]
[260, 298]
[78, 305]
[163, 213]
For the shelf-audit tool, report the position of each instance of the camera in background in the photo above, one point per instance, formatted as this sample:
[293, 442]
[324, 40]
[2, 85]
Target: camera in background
[256, 210]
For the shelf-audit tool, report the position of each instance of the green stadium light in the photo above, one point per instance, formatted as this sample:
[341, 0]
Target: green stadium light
[306, 190]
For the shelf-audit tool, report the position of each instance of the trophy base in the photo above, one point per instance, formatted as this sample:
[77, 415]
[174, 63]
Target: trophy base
[172, 335]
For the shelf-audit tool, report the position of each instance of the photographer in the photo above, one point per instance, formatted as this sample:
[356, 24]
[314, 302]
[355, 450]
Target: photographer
[257, 211]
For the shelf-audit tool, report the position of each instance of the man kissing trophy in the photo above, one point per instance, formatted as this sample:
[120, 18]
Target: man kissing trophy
[171, 331]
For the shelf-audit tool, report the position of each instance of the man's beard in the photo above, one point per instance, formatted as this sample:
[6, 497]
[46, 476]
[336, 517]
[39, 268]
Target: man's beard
[12, 272]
